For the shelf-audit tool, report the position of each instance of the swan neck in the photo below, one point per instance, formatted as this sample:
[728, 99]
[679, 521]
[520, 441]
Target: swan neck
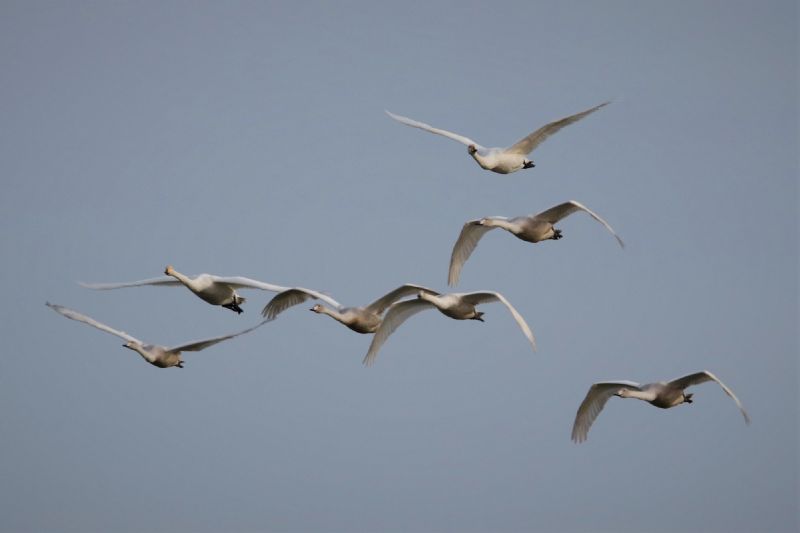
[181, 277]
[639, 395]
[498, 223]
[138, 348]
[336, 315]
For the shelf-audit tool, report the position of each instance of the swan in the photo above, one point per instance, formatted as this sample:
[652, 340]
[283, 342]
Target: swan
[460, 306]
[532, 228]
[156, 355]
[502, 160]
[661, 394]
[215, 290]
[365, 319]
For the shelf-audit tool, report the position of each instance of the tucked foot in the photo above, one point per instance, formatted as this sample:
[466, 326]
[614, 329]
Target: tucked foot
[234, 307]
[528, 164]
[557, 235]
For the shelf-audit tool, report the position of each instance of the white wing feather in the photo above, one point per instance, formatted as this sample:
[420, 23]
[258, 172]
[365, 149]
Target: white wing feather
[595, 400]
[704, 376]
[291, 297]
[196, 346]
[556, 213]
[396, 315]
[468, 239]
[427, 127]
[166, 280]
[80, 317]
[476, 298]
[526, 145]
[380, 305]
[239, 282]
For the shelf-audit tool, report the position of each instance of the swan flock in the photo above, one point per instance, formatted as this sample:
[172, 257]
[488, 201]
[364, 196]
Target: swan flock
[382, 317]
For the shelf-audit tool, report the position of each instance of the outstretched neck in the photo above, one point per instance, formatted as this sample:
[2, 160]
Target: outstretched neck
[507, 225]
[138, 348]
[646, 395]
[186, 280]
[334, 314]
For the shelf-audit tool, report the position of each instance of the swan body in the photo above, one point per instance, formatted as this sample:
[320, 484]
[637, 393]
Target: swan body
[460, 306]
[664, 395]
[216, 290]
[365, 319]
[502, 160]
[156, 355]
[531, 228]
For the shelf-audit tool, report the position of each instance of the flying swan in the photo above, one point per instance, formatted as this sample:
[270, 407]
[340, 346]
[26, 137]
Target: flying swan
[532, 228]
[661, 394]
[460, 306]
[365, 319]
[215, 290]
[154, 354]
[502, 160]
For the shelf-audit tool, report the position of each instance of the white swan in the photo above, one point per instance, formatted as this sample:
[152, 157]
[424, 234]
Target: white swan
[502, 160]
[360, 319]
[154, 354]
[532, 228]
[215, 290]
[460, 306]
[661, 394]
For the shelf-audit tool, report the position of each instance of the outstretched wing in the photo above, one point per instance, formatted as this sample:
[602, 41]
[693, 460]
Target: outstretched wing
[396, 315]
[702, 377]
[554, 214]
[291, 297]
[74, 315]
[595, 400]
[476, 298]
[239, 282]
[196, 346]
[427, 127]
[166, 280]
[526, 145]
[468, 239]
[380, 305]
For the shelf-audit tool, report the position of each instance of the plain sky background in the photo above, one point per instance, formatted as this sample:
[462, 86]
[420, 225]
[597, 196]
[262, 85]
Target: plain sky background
[249, 138]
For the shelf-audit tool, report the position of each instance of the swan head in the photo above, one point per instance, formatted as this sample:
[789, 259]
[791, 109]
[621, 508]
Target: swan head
[169, 271]
[472, 149]
[317, 308]
[623, 393]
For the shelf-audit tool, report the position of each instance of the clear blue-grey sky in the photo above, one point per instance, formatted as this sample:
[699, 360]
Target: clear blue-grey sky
[249, 138]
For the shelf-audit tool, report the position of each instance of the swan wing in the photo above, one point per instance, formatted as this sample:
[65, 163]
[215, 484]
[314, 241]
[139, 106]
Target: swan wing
[396, 315]
[554, 214]
[427, 127]
[165, 280]
[80, 317]
[239, 282]
[196, 346]
[702, 377]
[471, 233]
[595, 400]
[291, 297]
[526, 145]
[380, 305]
[476, 298]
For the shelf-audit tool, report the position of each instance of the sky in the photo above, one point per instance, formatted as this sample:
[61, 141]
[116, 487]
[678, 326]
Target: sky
[250, 139]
